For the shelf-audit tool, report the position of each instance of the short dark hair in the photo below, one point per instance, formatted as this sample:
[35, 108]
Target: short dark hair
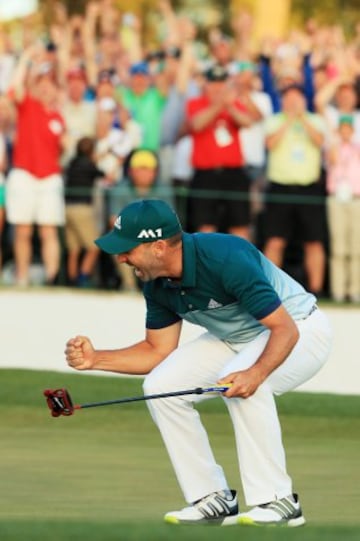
[85, 146]
[175, 239]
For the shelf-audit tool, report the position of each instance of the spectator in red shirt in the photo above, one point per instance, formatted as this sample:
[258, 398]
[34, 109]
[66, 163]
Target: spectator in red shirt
[35, 186]
[219, 189]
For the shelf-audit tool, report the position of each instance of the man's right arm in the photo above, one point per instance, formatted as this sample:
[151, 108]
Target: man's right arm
[200, 120]
[275, 138]
[23, 73]
[139, 358]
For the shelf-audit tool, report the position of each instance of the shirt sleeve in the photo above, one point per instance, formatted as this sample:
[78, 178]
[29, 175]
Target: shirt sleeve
[244, 277]
[308, 77]
[157, 315]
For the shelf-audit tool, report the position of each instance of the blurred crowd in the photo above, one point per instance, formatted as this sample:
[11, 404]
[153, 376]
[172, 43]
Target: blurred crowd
[260, 140]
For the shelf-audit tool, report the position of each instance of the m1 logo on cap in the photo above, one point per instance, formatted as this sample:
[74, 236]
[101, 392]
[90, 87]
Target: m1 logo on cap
[150, 234]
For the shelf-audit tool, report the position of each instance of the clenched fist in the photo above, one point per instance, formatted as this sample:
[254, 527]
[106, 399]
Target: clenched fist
[80, 353]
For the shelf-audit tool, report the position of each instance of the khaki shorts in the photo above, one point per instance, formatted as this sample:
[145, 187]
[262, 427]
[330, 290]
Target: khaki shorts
[30, 200]
[80, 230]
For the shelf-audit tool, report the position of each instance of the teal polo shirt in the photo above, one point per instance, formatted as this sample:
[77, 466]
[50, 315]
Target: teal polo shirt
[147, 110]
[227, 286]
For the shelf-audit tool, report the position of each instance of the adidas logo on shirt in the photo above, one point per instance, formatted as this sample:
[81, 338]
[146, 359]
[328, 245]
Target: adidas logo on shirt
[214, 304]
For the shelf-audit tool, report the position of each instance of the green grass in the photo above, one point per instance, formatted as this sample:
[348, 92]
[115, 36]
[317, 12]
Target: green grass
[103, 474]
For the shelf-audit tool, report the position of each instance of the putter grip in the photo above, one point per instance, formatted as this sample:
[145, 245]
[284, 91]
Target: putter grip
[215, 389]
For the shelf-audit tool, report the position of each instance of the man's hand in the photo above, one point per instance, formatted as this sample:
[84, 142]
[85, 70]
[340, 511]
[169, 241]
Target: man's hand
[80, 353]
[229, 96]
[243, 383]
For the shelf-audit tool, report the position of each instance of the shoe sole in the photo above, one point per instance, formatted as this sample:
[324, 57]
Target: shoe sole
[292, 523]
[224, 521]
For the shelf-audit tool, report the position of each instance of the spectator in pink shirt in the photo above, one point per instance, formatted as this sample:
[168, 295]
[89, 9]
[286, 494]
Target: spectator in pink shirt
[343, 187]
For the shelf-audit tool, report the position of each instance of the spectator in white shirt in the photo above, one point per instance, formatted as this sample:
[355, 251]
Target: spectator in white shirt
[252, 137]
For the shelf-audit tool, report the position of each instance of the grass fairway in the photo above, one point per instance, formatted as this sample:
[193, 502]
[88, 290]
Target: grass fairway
[104, 475]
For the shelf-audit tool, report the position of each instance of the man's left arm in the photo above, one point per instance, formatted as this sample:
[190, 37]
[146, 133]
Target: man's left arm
[314, 132]
[238, 113]
[283, 337]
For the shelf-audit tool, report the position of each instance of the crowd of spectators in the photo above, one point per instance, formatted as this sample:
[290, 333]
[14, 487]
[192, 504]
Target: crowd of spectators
[260, 140]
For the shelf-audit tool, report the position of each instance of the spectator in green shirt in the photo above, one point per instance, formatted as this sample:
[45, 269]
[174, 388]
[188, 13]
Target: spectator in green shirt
[145, 103]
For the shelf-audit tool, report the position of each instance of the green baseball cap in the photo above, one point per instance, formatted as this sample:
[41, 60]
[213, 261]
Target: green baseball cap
[143, 221]
[245, 65]
[346, 119]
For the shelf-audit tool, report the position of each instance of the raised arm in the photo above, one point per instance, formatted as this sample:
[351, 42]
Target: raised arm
[173, 36]
[24, 71]
[61, 36]
[187, 59]
[139, 358]
[90, 41]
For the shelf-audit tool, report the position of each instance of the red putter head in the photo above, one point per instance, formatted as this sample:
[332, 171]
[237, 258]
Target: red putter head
[59, 402]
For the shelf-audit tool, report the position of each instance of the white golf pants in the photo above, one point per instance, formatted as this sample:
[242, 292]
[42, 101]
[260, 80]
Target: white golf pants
[260, 451]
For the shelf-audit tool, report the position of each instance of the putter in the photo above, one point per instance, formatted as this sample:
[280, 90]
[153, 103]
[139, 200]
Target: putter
[60, 403]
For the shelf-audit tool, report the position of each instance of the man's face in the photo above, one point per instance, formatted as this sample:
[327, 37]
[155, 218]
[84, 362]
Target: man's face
[215, 90]
[76, 89]
[222, 52]
[105, 89]
[346, 131]
[46, 90]
[346, 98]
[145, 261]
[293, 102]
[139, 83]
[244, 80]
[143, 177]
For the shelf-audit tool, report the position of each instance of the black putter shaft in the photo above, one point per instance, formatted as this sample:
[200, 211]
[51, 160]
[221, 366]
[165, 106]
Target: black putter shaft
[197, 390]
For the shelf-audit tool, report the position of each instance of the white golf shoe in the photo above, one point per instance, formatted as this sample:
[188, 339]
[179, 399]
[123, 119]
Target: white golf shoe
[283, 512]
[220, 508]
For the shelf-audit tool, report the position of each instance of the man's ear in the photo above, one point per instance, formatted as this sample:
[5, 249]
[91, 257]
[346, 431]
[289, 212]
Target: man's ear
[159, 248]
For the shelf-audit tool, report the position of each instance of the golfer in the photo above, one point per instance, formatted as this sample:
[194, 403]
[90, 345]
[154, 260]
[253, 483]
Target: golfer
[263, 334]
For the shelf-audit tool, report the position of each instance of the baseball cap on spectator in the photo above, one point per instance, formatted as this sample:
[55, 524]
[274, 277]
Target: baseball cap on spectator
[241, 66]
[143, 158]
[77, 73]
[216, 73]
[107, 76]
[245, 65]
[139, 68]
[44, 68]
[143, 221]
[346, 119]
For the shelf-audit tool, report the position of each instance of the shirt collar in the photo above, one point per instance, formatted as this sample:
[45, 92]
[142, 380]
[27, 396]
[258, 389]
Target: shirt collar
[189, 267]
